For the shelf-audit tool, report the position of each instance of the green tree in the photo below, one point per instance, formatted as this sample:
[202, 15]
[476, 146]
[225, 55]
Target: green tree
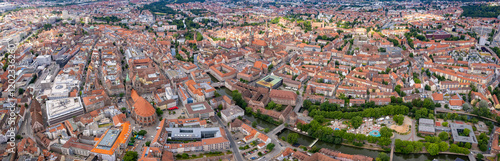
[185, 156]
[433, 149]
[271, 105]
[428, 104]
[467, 145]
[254, 124]
[445, 124]
[443, 146]
[382, 157]
[465, 106]
[270, 146]
[147, 143]
[356, 121]
[399, 119]
[266, 130]
[131, 156]
[385, 132]
[427, 87]
[21, 91]
[270, 67]
[422, 113]
[483, 104]
[479, 156]
[159, 112]
[444, 136]
[142, 132]
[384, 141]
[238, 99]
[456, 149]
[466, 132]
[292, 138]
[199, 37]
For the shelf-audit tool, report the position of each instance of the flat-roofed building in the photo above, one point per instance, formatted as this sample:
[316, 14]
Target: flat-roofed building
[62, 85]
[193, 133]
[270, 81]
[62, 109]
[112, 143]
[231, 113]
[426, 126]
[458, 135]
[199, 109]
[207, 139]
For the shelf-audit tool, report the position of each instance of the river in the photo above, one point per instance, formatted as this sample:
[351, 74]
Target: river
[260, 122]
[213, 78]
[306, 141]
[224, 91]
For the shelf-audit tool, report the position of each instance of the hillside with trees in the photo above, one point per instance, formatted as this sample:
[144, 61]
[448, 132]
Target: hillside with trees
[481, 11]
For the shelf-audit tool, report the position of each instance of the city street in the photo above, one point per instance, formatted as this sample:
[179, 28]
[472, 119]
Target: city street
[236, 151]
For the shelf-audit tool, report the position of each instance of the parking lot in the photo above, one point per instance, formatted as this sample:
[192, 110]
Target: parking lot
[254, 154]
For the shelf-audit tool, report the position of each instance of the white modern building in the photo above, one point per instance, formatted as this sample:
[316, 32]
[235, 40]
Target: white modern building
[232, 113]
[62, 109]
[43, 59]
[62, 86]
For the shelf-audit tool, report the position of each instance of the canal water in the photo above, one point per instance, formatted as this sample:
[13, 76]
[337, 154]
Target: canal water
[260, 122]
[224, 91]
[306, 141]
[213, 78]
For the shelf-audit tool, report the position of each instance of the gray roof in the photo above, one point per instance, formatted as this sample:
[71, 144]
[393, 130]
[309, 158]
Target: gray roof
[232, 110]
[456, 128]
[109, 139]
[426, 125]
[426, 128]
[193, 133]
[441, 128]
[425, 121]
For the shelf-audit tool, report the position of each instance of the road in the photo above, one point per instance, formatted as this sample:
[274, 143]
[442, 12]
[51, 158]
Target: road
[299, 103]
[278, 148]
[496, 39]
[392, 149]
[236, 152]
[337, 87]
[26, 127]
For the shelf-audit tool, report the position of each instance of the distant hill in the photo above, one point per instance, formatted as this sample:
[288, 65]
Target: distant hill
[161, 8]
[481, 11]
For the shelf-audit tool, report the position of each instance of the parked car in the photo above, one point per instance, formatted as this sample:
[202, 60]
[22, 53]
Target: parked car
[174, 108]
